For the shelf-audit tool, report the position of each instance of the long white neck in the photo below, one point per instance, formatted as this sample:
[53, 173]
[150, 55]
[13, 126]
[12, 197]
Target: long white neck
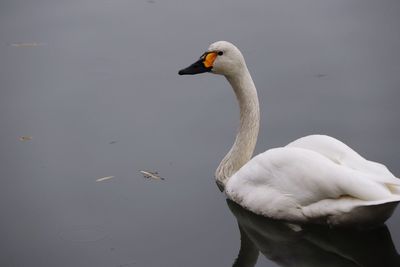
[246, 138]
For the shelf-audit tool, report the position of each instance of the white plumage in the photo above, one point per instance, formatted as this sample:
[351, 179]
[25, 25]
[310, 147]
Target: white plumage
[316, 178]
[306, 182]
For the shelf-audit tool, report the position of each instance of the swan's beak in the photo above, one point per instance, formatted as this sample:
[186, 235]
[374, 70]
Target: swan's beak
[204, 64]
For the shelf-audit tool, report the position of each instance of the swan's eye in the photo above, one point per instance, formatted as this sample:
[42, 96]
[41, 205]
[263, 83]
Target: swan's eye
[220, 53]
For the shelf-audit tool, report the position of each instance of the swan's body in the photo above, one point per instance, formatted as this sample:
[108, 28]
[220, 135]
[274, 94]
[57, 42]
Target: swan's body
[314, 179]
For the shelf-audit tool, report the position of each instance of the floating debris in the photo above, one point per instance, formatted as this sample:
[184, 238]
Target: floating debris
[151, 174]
[25, 138]
[33, 44]
[104, 178]
[113, 142]
[320, 75]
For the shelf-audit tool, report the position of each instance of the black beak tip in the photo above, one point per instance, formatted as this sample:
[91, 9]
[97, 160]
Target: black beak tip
[195, 68]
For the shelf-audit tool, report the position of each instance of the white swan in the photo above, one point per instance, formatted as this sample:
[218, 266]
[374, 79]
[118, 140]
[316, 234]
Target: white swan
[315, 179]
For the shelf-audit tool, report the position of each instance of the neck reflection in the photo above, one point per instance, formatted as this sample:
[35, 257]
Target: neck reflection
[312, 246]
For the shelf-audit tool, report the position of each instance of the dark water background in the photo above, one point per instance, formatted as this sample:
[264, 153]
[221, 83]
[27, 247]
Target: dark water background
[95, 84]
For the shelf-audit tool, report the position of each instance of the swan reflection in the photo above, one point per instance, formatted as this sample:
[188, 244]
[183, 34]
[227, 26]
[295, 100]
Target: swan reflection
[312, 246]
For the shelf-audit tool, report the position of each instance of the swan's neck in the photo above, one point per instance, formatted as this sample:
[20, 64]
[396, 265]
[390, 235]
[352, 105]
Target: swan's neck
[246, 138]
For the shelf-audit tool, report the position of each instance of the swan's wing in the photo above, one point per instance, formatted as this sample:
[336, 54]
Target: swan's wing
[281, 182]
[328, 146]
[342, 154]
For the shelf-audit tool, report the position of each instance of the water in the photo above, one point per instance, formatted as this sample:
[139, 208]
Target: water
[95, 84]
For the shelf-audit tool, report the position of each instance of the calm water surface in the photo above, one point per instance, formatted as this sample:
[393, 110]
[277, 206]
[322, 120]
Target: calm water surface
[95, 86]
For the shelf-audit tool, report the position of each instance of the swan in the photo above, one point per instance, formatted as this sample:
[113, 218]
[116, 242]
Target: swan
[314, 179]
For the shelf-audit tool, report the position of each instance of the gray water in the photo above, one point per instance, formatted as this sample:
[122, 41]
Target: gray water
[94, 86]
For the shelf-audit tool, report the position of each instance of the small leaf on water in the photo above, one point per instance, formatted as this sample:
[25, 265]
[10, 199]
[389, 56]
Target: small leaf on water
[104, 178]
[151, 174]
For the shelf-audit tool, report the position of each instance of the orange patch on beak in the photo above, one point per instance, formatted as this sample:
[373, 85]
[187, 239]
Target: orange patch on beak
[209, 59]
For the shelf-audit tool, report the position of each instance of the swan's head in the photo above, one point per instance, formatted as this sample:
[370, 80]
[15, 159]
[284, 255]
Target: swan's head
[220, 58]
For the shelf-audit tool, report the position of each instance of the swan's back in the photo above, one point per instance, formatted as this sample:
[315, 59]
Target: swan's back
[341, 154]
